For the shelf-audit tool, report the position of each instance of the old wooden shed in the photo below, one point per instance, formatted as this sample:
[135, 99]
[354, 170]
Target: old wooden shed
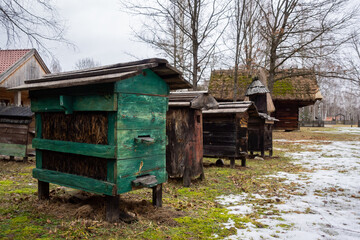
[260, 128]
[226, 130]
[16, 131]
[17, 66]
[184, 129]
[103, 130]
[293, 89]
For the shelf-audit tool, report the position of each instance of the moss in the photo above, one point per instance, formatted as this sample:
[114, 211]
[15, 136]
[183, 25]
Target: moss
[283, 87]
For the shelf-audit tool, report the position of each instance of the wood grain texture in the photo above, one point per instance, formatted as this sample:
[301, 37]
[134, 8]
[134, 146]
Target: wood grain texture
[74, 181]
[95, 150]
[146, 83]
[140, 166]
[106, 102]
[124, 184]
[127, 147]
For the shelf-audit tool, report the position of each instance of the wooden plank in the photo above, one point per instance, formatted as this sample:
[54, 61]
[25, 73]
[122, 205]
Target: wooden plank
[78, 81]
[75, 181]
[125, 184]
[219, 151]
[146, 83]
[13, 138]
[17, 126]
[38, 125]
[111, 170]
[127, 147]
[111, 128]
[79, 103]
[95, 150]
[140, 166]
[39, 158]
[16, 150]
[142, 115]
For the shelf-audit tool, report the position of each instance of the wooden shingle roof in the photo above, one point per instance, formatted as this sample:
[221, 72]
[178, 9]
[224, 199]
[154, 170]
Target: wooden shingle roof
[110, 73]
[301, 86]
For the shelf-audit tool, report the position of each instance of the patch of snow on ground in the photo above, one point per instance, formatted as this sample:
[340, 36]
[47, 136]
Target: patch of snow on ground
[330, 207]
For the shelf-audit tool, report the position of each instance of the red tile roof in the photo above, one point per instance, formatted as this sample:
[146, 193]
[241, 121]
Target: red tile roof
[9, 57]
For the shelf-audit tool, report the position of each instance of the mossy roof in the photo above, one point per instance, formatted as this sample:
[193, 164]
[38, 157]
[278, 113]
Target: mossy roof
[301, 86]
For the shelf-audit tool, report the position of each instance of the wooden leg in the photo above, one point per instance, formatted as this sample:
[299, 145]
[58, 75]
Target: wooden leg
[12, 158]
[186, 178]
[232, 162]
[43, 190]
[157, 195]
[270, 152]
[112, 208]
[243, 161]
[262, 153]
[202, 175]
[251, 153]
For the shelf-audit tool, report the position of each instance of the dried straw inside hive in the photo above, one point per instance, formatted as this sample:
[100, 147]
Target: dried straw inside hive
[87, 166]
[82, 127]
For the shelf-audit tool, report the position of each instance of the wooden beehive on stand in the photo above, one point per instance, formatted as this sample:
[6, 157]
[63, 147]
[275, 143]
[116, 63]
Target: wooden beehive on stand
[226, 130]
[260, 128]
[184, 153]
[103, 130]
[16, 131]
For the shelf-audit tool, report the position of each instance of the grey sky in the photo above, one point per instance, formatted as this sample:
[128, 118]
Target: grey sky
[100, 31]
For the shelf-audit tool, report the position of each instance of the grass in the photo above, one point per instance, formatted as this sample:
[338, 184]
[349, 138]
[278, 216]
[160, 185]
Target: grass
[192, 212]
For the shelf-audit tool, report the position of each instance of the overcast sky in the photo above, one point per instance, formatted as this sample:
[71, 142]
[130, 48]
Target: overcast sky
[100, 31]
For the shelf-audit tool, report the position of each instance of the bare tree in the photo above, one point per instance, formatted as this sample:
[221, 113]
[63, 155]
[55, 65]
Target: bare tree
[186, 31]
[85, 63]
[55, 66]
[294, 30]
[35, 21]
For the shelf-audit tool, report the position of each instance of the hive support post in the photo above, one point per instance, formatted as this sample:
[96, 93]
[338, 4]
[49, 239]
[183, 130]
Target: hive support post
[112, 207]
[270, 153]
[202, 175]
[157, 195]
[232, 162]
[243, 161]
[43, 190]
[186, 177]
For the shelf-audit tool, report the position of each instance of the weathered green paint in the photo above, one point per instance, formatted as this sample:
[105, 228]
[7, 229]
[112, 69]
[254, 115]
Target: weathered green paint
[66, 102]
[146, 83]
[16, 150]
[75, 181]
[136, 108]
[95, 150]
[127, 147]
[77, 103]
[111, 170]
[140, 166]
[38, 158]
[141, 111]
[38, 126]
[111, 128]
[124, 184]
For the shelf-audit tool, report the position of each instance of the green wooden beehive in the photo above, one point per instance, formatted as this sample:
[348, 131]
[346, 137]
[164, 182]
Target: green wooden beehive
[103, 130]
